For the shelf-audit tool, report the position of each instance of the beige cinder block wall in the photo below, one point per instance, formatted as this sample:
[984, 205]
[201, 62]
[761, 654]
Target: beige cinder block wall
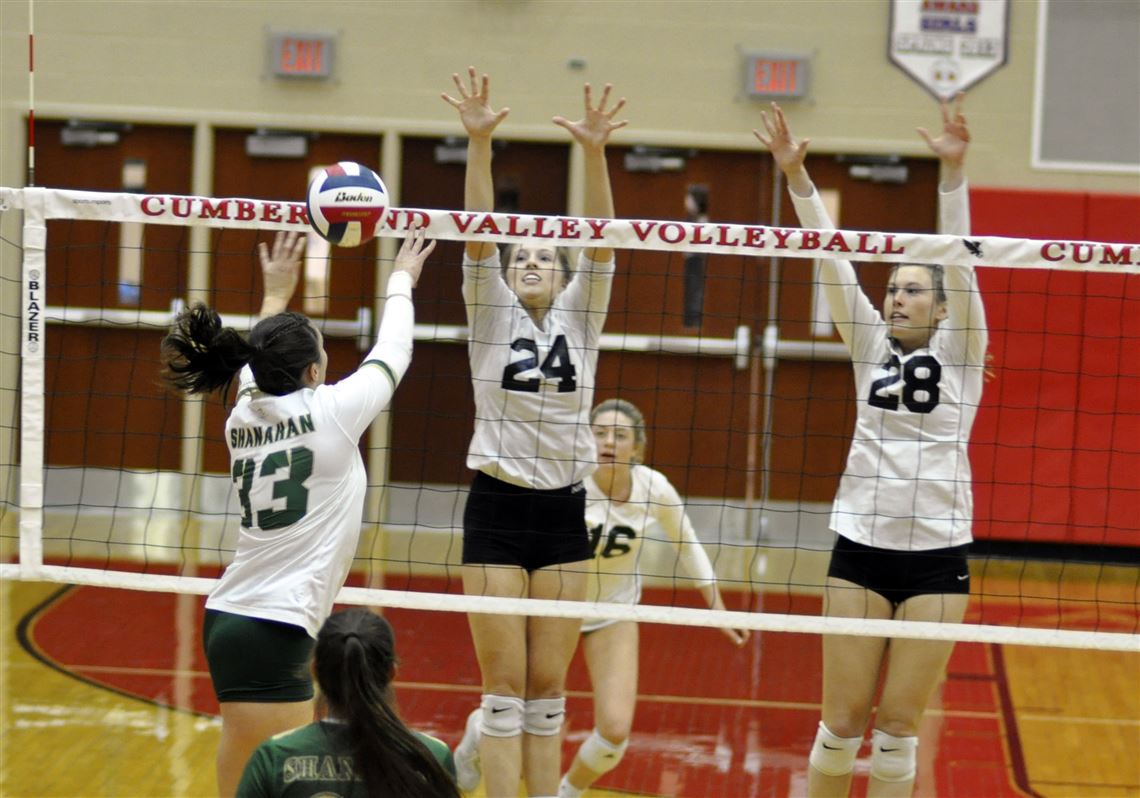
[677, 61]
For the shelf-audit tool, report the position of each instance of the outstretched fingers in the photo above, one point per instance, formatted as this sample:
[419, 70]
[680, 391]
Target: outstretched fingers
[288, 246]
[414, 240]
[959, 98]
[475, 87]
[299, 246]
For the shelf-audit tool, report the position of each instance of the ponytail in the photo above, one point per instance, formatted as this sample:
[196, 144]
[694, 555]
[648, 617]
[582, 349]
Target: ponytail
[354, 660]
[200, 355]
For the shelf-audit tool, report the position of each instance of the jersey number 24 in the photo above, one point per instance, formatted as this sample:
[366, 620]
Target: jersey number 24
[556, 365]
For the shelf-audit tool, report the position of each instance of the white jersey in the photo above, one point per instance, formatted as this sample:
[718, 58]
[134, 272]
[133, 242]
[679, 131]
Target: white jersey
[654, 511]
[907, 483]
[534, 385]
[296, 467]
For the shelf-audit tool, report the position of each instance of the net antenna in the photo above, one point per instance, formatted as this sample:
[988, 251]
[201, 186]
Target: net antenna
[154, 526]
[31, 93]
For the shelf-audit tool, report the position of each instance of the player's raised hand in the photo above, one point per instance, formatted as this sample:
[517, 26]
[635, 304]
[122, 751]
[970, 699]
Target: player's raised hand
[280, 269]
[474, 104]
[593, 130]
[413, 252]
[951, 144]
[788, 153]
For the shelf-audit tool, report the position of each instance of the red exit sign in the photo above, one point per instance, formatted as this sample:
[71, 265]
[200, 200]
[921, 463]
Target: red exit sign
[301, 55]
[772, 76]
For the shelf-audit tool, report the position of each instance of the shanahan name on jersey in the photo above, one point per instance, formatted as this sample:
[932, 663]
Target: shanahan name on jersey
[617, 530]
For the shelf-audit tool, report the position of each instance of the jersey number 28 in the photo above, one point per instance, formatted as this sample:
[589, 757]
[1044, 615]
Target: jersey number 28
[290, 486]
[556, 365]
[927, 383]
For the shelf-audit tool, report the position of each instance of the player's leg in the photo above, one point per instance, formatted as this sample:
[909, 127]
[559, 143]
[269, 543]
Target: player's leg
[246, 725]
[500, 647]
[850, 675]
[468, 767]
[914, 670]
[550, 646]
[611, 657]
[260, 673]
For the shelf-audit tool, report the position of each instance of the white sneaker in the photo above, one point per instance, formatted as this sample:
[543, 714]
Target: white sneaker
[568, 790]
[468, 768]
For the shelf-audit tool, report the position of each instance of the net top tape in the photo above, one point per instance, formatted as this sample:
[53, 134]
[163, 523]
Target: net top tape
[643, 613]
[662, 235]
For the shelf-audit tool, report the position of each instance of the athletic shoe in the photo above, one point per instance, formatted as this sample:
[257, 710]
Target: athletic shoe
[468, 768]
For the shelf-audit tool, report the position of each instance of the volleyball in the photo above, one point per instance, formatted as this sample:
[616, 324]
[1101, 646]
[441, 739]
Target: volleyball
[345, 202]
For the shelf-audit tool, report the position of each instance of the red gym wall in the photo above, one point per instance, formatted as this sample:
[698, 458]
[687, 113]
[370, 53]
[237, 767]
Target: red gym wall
[1057, 440]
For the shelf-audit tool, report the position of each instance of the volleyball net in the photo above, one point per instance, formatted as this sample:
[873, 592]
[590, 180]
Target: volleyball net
[718, 332]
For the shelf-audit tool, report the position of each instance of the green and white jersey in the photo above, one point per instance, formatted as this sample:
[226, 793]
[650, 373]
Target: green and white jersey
[907, 482]
[299, 477]
[617, 529]
[534, 384]
[313, 762]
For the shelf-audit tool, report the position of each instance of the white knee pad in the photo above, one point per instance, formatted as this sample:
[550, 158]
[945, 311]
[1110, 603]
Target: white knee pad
[893, 758]
[544, 716]
[502, 715]
[599, 754]
[832, 755]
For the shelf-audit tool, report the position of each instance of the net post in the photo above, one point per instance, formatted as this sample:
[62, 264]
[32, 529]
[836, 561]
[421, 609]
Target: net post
[33, 280]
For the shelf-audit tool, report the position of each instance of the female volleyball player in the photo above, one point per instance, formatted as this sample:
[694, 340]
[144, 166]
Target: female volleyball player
[533, 350]
[362, 749]
[626, 503]
[300, 480]
[904, 508]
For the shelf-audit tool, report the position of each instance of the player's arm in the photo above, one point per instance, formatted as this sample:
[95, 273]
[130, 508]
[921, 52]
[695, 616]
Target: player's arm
[480, 121]
[849, 307]
[671, 515]
[963, 296]
[592, 132]
[360, 397]
[280, 271]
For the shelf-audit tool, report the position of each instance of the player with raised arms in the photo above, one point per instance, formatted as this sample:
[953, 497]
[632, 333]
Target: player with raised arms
[626, 503]
[300, 480]
[535, 326]
[904, 510]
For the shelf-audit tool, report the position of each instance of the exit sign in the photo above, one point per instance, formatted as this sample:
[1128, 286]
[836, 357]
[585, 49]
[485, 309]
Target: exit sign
[773, 75]
[301, 55]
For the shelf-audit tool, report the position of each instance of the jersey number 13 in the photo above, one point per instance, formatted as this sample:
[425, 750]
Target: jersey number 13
[288, 470]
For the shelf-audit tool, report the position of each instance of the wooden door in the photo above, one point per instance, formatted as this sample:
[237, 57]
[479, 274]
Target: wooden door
[105, 406]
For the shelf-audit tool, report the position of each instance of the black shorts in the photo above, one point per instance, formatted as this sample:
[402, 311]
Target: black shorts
[504, 524]
[900, 575]
[256, 660]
